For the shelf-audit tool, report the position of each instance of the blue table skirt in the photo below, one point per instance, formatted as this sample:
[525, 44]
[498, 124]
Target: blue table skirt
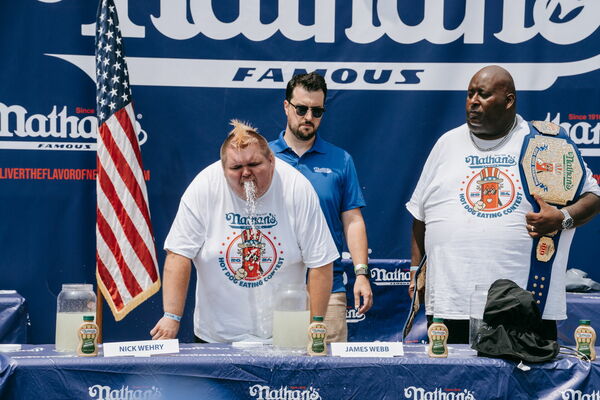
[216, 371]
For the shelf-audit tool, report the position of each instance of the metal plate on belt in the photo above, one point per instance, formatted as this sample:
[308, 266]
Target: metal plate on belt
[552, 169]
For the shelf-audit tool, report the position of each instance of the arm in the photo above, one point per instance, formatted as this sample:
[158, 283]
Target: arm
[549, 218]
[356, 238]
[320, 282]
[176, 278]
[417, 250]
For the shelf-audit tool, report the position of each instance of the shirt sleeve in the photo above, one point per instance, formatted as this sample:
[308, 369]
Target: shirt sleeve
[416, 204]
[314, 239]
[590, 185]
[352, 196]
[188, 231]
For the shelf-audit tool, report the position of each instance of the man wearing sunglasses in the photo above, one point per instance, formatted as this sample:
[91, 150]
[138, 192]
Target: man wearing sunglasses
[331, 171]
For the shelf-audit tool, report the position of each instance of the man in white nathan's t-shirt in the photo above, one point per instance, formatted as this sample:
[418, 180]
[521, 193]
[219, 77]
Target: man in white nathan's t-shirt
[473, 217]
[243, 250]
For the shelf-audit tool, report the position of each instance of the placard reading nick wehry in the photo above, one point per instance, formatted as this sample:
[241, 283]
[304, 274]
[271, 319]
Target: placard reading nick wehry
[141, 348]
[397, 71]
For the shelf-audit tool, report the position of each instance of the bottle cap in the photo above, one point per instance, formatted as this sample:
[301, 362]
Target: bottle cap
[88, 318]
[318, 318]
[438, 319]
[584, 322]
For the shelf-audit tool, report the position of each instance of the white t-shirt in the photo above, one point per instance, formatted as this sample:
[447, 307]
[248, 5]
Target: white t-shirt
[238, 269]
[474, 207]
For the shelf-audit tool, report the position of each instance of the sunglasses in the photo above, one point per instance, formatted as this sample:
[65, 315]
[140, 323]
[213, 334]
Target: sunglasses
[317, 112]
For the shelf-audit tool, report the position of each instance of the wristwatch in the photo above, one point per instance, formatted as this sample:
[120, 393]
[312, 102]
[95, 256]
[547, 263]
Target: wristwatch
[567, 222]
[361, 269]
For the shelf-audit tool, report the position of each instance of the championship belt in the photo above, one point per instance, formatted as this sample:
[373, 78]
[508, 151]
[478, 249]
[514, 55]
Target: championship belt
[552, 168]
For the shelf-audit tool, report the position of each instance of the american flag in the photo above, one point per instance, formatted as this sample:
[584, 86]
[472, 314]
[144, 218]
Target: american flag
[126, 266]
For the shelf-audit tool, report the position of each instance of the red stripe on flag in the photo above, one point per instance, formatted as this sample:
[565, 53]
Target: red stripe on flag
[109, 283]
[129, 227]
[124, 170]
[127, 125]
[112, 243]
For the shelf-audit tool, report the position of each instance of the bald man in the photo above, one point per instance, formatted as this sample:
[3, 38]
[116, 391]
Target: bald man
[473, 217]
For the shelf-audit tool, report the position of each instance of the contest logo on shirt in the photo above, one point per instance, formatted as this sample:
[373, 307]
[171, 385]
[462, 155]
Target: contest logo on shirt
[252, 255]
[491, 189]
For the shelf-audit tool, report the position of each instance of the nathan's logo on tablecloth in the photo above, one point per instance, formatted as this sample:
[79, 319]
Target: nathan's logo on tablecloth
[250, 257]
[57, 130]
[353, 316]
[264, 392]
[490, 192]
[419, 393]
[579, 395]
[102, 392]
[384, 277]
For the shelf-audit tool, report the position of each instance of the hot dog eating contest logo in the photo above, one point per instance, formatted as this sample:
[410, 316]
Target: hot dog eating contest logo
[492, 188]
[251, 253]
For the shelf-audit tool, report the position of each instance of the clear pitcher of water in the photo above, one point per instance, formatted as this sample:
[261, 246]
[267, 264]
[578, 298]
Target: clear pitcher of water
[75, 301]
[477, 307]
[291, 317]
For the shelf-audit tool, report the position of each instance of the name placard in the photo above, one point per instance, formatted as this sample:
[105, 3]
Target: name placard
[141, 348]
[367, 349]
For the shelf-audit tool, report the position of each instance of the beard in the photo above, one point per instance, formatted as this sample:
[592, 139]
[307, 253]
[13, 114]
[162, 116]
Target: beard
[302, 134]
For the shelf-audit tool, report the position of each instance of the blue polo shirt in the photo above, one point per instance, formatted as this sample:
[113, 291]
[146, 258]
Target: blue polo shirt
[331, 171]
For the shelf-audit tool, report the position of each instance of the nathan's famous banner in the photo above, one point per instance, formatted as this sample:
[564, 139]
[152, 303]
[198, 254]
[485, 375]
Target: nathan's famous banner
[397, 72]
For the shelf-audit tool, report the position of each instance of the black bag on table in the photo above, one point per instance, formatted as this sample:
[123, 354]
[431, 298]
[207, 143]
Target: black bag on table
[514, 325]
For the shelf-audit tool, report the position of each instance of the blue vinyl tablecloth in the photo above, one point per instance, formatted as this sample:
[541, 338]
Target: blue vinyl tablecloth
[213, 371]
[13, 317]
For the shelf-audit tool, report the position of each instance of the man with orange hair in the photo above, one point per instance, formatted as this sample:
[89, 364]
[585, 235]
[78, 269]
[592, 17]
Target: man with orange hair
[242, 221]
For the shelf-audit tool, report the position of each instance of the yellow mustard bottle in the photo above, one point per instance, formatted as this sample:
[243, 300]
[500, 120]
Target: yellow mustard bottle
[585, 339]
[88, 337]
[317, 331]
[438, 339]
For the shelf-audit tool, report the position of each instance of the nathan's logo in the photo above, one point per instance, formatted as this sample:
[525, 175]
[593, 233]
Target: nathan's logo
[322, 170]
[584, 131]
[353, 316]
[418, 393]
[174, 21]
[56, 130]
[101, 392]
[369, 22]
[498, 160]
[568, 160]
[251, 257]
[384, 277]
[260, 221]
[264, 392]
[579, 395]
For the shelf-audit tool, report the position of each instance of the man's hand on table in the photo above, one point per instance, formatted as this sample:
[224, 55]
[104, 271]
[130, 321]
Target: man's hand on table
[165, 328]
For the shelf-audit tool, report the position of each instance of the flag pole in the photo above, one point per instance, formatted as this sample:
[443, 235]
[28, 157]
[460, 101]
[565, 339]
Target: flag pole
[99, 307]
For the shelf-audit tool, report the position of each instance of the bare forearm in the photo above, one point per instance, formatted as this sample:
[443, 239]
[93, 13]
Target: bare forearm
[176, 279]
[417, 242]
[417, 249]
[585, 209]
[320, 282]
[355, 232]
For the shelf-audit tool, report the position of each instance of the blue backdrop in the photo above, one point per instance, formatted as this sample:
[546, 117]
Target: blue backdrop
[397, 71]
